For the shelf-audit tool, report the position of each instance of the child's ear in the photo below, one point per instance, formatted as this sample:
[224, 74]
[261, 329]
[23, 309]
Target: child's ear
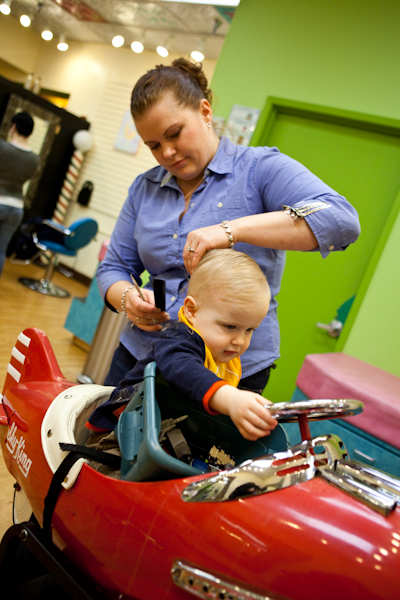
[190, 308]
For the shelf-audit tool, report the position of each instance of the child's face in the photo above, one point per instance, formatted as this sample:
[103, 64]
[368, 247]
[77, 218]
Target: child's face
[226, 328]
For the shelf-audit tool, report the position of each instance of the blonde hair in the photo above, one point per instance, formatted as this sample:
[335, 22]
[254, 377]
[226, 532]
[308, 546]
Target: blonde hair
[231, 275]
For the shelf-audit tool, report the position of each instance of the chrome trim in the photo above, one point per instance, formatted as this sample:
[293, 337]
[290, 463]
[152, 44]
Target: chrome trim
[333, 449]
[325, 456]
[382, 482]
[369, 496]
[359, 453]
[268, 473]
[314, 410]
[205, 585]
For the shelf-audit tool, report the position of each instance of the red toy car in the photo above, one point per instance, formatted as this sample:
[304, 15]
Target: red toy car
[300, 523]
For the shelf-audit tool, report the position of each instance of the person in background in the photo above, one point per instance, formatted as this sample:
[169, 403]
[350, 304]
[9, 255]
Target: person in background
[227, 299]
[18, 163]
[208, 193]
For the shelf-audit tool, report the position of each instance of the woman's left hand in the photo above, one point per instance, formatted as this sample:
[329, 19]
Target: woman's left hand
[199, 241]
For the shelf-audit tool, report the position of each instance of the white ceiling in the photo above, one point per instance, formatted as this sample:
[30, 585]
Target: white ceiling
[181, 26]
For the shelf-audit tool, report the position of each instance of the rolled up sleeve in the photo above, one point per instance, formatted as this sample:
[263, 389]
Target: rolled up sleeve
[284, 182]
[335, 227]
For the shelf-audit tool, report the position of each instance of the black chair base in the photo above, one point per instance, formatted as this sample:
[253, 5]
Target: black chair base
[51, 239]
[33, 568]
[44, 286]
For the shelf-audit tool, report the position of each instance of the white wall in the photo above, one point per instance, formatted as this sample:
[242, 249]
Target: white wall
[100, 79]
[18, 46]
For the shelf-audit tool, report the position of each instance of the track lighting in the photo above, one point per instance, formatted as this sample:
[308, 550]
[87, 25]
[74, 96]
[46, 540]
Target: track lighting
[118, 41]
[47, 35]
[5, 7]
[164, 50]
[25, 20]
[137, 47]
[198, 55]
[62, 44]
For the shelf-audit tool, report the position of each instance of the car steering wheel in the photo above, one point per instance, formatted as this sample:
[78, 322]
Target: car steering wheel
[313, 410]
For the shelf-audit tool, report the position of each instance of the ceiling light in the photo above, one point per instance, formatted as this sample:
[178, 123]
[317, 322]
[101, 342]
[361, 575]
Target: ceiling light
[25, 20]
[197, 55]
[137, 47]
[162, 51]
[47, 35]
[5, 7]
[62, 44]
[118, 41]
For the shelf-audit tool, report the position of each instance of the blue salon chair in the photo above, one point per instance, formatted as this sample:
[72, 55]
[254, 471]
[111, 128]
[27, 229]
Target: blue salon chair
[53, 239]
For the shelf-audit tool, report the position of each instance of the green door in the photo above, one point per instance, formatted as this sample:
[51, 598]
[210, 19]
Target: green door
[360, 158]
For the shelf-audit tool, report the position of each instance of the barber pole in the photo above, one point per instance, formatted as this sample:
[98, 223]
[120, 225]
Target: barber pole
[68, 186]
[64, 198]
[82, 141]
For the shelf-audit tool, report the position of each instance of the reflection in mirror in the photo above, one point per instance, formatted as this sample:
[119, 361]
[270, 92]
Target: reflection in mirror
[39, 133]
[46, 128]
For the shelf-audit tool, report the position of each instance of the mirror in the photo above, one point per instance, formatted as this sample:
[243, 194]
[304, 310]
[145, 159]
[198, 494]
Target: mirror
[46, 127]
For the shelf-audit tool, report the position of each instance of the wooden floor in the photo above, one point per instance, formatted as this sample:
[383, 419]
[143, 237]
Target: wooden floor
[20, 308]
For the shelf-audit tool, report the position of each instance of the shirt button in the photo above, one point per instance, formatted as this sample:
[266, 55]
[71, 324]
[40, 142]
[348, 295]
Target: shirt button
[192, 204]
[331, 247]
[220, 204]
[173, 298]
[175, 236]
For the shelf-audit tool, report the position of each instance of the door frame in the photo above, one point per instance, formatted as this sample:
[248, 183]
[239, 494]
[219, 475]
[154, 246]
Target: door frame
[275, 106]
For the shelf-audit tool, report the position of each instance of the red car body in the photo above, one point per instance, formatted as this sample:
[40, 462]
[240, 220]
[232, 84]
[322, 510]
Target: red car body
[307, 541]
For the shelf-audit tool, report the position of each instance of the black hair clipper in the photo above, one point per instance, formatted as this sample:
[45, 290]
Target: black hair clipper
[159, 293]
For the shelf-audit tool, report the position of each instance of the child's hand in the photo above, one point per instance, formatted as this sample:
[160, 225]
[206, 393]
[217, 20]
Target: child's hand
[246, 409]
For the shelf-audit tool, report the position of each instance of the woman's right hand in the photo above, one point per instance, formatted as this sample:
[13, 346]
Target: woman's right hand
[143, 313]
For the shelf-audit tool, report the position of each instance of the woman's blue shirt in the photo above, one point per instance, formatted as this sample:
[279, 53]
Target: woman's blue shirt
[239, 181]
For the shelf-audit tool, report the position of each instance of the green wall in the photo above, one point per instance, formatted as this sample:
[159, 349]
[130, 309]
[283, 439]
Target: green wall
[339, 53]
[375, 334]
[342, 53]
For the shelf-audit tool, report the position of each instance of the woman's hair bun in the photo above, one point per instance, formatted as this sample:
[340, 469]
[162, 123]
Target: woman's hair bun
[195, 71]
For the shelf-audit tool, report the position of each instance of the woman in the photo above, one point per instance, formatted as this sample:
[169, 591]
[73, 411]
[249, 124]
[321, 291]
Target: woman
[208, 193]
[17, 164]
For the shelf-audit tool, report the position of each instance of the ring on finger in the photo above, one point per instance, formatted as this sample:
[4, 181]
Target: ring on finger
[138, 320]
[155, 321]
[191, 250]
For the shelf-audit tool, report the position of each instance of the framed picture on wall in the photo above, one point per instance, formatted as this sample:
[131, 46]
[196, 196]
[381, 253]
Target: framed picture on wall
[241, 124]
[128, 139]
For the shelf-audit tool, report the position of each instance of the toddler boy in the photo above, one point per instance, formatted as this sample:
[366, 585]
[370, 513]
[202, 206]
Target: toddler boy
[227, 298]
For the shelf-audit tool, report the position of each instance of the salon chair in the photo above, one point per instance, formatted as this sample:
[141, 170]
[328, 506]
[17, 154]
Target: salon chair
[53, 239]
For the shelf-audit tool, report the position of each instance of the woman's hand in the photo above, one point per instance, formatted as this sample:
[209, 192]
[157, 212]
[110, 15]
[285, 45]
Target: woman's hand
[143, 313]
[275, 230]
[202, 240]
[246, 409]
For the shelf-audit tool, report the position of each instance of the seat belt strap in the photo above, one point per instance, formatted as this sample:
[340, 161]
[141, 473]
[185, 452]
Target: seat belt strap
[75, 453]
